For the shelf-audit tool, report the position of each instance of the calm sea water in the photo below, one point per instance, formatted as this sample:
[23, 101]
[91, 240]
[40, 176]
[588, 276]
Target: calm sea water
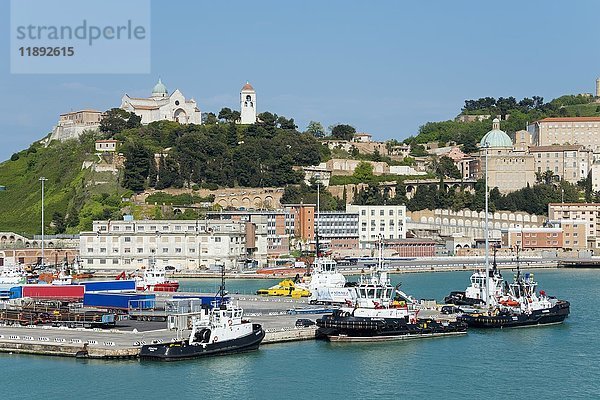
[555, 362]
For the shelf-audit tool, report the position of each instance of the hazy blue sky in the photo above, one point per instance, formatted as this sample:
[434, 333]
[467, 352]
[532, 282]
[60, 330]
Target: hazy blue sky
[385, 67]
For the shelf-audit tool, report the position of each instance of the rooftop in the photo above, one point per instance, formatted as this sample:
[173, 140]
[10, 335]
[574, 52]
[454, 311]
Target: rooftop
[570, 119]
[568, 147]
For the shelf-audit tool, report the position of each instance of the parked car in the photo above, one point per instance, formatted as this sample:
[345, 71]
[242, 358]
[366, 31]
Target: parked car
[304, 323]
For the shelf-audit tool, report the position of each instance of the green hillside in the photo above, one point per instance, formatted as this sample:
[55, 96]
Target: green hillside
[72, 199]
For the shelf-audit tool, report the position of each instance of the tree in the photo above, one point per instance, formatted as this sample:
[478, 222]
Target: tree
[343, 132]
[225, 114]
[116, 120]
[363, 172]
[316, 129]
[445, 167]
[137, 166]
[210, 118]
[58, 221]
[267, 119]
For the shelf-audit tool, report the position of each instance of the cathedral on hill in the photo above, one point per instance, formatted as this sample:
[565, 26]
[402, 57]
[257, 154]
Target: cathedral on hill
[162, 106]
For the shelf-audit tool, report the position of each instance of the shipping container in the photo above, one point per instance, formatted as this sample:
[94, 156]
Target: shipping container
[119, 300]
[16, 292]
[59, 292]
[114, 286]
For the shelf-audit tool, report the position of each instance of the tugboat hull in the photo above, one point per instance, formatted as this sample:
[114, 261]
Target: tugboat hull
[182, 350]
[554, 315]
[350, 328]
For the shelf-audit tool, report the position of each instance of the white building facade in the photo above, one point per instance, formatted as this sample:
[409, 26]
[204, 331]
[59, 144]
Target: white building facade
[388, 221]
[185, 244]
[161, 106]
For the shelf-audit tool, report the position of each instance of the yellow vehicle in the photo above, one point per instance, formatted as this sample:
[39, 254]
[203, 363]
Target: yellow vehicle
[285, 288]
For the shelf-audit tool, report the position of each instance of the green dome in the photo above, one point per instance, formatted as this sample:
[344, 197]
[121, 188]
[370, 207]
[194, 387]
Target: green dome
[496, 137]
[159, 88]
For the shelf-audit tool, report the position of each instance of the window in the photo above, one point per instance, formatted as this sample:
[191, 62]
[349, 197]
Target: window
[127, 250]
[140, 250]
[127, 239]
[165, 250]
[178, 250]
[103, 261]
[90, 250]
[391, 212]
[102, 249]
[382, 212]
[115, 261]
[217, 240]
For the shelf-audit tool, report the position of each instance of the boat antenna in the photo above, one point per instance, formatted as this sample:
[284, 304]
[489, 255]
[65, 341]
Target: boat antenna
[486, 231]
[221, 292]
[518, 264]
[317, 249]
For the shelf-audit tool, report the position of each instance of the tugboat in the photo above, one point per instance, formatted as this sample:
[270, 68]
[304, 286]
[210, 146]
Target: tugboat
[325, 283]
[518, 304]
[477, 292]
[220, 330]
[154, 279]
[382, 313]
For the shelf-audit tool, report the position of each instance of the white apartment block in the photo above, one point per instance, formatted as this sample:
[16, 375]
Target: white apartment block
[388, 221]
[185, 244]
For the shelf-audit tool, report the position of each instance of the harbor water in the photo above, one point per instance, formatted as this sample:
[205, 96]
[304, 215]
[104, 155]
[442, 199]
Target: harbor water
[553, 362]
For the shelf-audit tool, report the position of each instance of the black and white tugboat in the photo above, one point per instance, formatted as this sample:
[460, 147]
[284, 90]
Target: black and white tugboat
[217, 331]
[518, 304]
[382, 312]
[476, 293]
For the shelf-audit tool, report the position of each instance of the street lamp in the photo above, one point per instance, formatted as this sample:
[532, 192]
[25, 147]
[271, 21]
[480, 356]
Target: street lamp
[486, 146]
[43, 179]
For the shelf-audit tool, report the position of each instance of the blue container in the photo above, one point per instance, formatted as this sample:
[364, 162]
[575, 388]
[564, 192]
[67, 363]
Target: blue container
[119, 300]
[16, 292]
[114, 286]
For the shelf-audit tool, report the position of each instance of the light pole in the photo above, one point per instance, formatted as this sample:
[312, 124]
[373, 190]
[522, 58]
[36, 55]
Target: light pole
[487, 232]
[43, 179]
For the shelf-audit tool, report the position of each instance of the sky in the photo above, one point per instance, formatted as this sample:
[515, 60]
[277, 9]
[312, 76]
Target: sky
[386, 67]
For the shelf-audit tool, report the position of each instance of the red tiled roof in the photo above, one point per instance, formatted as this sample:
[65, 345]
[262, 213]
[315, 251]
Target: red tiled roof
[247, 86]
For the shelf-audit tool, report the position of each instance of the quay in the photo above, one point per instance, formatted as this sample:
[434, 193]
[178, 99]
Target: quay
[124, 341]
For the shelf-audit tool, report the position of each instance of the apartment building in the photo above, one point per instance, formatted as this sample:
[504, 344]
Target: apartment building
[569, 162]
[588, 212]
[185, 244]
[388, 221]
[583, 131]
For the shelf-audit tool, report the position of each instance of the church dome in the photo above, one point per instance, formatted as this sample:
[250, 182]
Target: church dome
[496, 137]
[159, 89]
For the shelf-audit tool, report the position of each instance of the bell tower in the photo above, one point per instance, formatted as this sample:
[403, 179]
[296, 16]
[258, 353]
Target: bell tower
[248, 104]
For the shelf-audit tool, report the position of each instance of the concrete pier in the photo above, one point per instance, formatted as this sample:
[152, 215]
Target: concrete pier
[127, 338]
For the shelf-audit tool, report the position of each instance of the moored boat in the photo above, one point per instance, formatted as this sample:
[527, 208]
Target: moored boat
[517, 304]
[382, 312]
[216, 331]
[154, 279]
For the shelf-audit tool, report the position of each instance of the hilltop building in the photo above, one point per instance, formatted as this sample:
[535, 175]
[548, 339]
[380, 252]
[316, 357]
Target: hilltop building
[72, 124]
[583, 131]
[248, 104]
[162, 106]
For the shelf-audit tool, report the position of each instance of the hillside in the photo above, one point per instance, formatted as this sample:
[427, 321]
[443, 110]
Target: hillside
[72, 196]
